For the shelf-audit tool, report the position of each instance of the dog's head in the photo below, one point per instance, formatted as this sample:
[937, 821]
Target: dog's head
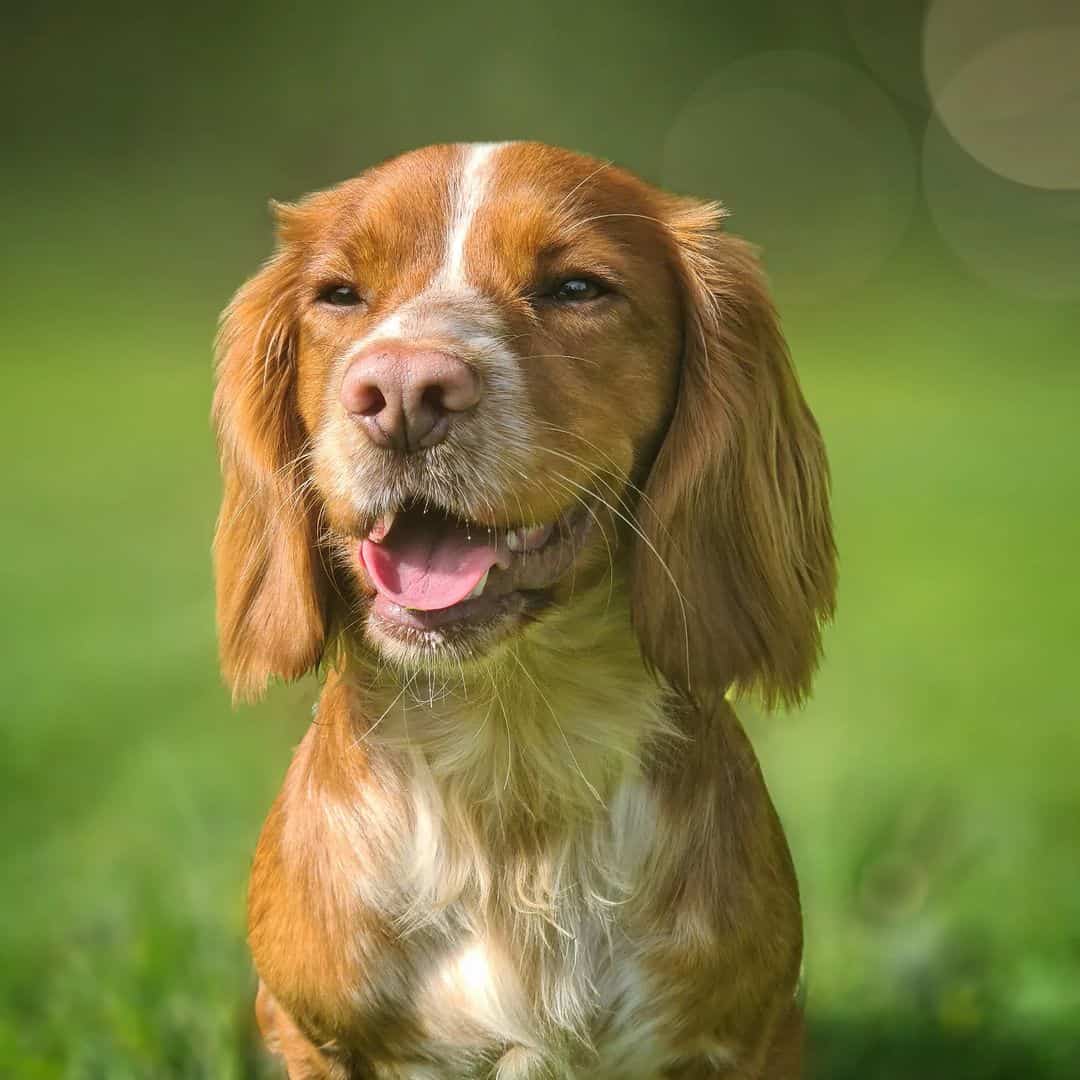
[478, 382]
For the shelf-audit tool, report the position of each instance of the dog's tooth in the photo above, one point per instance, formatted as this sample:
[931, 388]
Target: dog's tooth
[528, 537]
[535, 537]
[478, 588]
[382, 526]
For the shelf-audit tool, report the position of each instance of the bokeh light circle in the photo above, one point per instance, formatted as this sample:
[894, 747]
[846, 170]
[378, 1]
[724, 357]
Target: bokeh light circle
[1019, 238]
[888, 37]
[811, 158]
[1004, 79]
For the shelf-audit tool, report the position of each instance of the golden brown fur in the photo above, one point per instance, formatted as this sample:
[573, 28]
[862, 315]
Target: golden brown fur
[545, 848]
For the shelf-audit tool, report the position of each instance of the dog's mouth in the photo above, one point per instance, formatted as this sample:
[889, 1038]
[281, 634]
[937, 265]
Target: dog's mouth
[433, 571]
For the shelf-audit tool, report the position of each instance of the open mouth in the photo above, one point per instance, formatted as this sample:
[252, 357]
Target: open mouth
[433, 571]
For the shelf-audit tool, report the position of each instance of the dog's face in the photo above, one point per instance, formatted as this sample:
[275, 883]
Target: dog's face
[483, 354]
[476, 382]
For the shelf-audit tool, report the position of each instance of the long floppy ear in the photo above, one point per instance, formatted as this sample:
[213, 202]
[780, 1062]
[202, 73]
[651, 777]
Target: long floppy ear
[271, 588]
[737, 502]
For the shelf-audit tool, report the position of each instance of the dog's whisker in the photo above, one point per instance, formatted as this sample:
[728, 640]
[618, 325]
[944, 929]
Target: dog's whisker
[367, 734]
[560, 356]
[580, 184]
[558, 723]
[659, 558]
[588, 507]
[614, 470]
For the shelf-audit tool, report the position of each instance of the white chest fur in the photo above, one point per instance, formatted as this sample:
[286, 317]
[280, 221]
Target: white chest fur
[532, 825]
[555, 986]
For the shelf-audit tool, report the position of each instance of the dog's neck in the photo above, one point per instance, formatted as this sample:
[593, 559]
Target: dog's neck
[547, 726]
[521, 814]
[513, 767]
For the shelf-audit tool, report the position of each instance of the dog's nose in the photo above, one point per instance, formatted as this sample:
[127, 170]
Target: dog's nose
[406, 398]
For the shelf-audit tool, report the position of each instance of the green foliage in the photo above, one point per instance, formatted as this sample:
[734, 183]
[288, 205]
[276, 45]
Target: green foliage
[928, 789]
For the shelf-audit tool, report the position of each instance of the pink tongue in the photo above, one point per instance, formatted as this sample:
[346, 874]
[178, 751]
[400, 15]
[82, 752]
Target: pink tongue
[427, 563]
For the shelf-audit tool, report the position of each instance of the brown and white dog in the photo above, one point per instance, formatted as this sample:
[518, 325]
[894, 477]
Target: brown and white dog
[513, 450]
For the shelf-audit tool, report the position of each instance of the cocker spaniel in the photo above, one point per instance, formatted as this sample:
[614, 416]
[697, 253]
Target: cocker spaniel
[514, 453]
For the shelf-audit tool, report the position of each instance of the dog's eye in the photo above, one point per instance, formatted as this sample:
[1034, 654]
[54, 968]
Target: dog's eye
[340, 296]
[574, 290]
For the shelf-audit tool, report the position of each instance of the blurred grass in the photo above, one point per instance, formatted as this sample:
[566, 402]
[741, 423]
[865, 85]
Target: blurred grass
[929, 788]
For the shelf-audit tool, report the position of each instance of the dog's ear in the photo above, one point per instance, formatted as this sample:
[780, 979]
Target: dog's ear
[739, 571]
[271, 588]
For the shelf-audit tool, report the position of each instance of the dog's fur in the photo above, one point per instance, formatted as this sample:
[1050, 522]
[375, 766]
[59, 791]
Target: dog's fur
[541, 847]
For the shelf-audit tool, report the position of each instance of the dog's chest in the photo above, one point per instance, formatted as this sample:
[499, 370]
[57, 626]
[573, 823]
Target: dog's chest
[586, 1011]
[555, 991]
[585, 1015]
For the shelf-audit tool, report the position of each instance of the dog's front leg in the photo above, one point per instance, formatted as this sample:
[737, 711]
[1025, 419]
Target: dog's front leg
[303, 1060]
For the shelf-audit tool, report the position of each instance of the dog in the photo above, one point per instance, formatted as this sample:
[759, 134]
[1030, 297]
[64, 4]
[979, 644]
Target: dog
[514, 454]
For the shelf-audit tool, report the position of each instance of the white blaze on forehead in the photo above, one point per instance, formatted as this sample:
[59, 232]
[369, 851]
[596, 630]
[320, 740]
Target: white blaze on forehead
[469, 196]
[427, 312]
[448, 312]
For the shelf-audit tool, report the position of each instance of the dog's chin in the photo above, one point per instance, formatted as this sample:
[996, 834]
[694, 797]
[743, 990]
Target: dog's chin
[513, 595]
[464, 633]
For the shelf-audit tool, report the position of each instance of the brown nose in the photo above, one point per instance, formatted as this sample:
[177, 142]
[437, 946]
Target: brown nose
[406, 398]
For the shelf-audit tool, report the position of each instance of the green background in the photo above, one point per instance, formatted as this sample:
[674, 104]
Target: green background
[929, 789]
